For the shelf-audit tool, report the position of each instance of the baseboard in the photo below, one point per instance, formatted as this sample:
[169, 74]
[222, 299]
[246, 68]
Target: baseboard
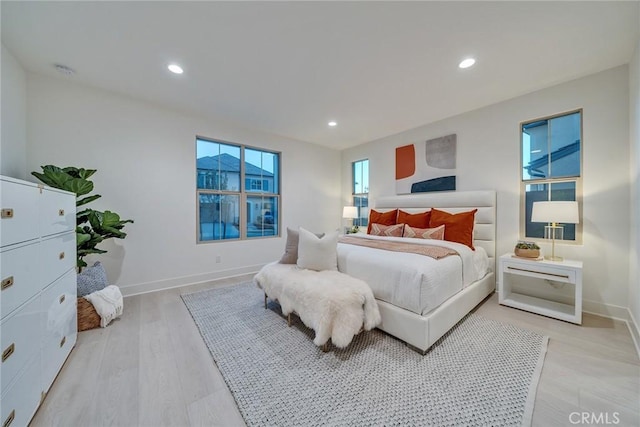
[618, 313]
[605, 310]
[159, 285]
[632, 323]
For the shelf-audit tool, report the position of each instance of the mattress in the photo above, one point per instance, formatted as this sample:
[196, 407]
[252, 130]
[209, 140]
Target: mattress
[411, 281]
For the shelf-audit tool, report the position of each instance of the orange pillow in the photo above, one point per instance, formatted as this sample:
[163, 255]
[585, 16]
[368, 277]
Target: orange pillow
[457, 227]
[384, 218]
[419, 220]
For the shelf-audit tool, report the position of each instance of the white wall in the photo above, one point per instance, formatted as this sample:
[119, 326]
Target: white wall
[488, 158]
[13, 141]
[634, 130]
[145, 157]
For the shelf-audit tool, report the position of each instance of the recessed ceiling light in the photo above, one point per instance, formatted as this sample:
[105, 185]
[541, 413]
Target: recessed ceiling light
[332, 123]
[175, 68]
[64, 69]
[467, 63]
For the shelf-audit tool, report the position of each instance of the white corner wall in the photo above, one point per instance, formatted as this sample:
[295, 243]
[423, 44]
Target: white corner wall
[13, 140]
[145, 157]
[488, 158]
[634, 248]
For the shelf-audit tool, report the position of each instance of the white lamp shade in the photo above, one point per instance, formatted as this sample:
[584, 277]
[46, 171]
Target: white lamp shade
[350, 212]
[555, 211]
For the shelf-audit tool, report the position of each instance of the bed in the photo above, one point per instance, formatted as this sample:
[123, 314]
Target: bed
[421, 298]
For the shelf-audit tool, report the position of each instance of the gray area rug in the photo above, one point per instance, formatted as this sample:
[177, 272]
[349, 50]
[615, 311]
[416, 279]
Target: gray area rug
[481, 373]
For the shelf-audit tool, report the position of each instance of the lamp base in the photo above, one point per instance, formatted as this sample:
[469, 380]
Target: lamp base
[554, 258]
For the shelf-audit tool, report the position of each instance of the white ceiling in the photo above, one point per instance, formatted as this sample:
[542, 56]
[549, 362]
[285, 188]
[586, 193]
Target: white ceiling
[377, 68]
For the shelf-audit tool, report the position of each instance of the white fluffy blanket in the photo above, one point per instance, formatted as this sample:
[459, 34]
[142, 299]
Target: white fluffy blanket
[331, 303]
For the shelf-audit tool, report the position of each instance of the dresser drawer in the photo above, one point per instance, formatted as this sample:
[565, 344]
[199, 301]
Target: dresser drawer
[19, 212]
[57, 255]
[21, 337]
[540, 271]
[57, 212]
[19, 273]
[60, 325]
[21, 400]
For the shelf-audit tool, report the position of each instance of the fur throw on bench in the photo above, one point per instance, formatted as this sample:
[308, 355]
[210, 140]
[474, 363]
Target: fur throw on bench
[331, 303]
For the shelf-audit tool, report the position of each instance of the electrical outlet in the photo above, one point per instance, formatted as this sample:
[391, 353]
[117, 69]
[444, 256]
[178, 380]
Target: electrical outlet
[218, 259]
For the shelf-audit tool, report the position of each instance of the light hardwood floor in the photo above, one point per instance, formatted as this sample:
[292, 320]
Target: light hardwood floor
[151, 368]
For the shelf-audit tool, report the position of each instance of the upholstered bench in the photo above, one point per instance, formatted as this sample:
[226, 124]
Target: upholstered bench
[335, 305]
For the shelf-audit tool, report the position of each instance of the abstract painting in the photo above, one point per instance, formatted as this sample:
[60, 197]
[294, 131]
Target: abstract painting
[426, 166]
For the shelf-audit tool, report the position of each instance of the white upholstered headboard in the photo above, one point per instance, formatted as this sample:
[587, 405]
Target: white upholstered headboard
[453, 202]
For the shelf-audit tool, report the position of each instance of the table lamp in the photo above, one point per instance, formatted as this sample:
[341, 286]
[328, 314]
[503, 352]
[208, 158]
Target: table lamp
[350, 213]
[555, 213]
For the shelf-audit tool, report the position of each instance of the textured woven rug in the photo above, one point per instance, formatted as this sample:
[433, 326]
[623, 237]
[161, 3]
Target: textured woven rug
[480, 373]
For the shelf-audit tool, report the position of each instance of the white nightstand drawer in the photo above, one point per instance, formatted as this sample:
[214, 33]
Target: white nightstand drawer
[57, 255]
[540, 271]
[20, 340]
[20, 276]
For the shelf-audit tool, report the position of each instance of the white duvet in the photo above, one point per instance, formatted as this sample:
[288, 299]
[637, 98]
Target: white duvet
[414, 282]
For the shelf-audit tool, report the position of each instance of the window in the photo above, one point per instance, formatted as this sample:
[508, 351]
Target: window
[360, 191]
[551, 168]
[228, 210]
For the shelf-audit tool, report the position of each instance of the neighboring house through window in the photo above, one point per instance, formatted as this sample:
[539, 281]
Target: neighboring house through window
[360, 191]
[551, 168]
[221, 168]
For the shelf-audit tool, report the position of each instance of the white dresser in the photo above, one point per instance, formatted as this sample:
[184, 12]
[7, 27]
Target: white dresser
[38, 317]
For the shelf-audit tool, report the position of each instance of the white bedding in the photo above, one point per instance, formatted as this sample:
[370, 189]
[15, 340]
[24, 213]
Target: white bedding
[414, 282]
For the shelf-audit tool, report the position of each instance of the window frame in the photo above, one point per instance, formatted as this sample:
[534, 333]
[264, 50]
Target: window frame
[358, 221]
[242, 193]
[549, 181]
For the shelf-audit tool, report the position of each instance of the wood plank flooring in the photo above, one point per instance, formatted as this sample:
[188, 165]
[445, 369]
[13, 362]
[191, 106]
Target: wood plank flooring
[152, 368]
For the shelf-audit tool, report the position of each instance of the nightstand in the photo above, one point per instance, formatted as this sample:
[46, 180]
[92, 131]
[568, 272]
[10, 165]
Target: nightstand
[538, 272]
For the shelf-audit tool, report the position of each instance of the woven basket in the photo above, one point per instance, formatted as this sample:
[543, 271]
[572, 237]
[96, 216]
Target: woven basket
[88, 318]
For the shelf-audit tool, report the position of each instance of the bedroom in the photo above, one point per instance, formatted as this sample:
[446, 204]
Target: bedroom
[144, 152]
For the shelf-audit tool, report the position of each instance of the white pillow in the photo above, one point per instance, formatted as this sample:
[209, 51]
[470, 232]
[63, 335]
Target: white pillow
[318, 253]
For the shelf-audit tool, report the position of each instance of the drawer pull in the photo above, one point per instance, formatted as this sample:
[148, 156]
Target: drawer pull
[62, 341]
[9, 419]
[61, 256]
[7, 213]
[61, 299]
[6, 283]
[564, 276]
[61, 212]
[8, 352]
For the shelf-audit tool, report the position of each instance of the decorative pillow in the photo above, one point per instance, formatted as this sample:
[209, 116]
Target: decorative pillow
[387, 230]
[384, 218]
[424, 233]
[290, 255]
[458, 227]
[92, 279]
[420, 220]
[318, 253]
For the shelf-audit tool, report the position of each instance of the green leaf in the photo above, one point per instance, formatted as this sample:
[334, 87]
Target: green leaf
[82, 238]
[87, 199]
[79, 186]
[86, 173]
[91, 251]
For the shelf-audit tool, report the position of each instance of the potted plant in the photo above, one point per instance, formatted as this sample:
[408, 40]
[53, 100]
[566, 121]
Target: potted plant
[92, 226]
[527, 250]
